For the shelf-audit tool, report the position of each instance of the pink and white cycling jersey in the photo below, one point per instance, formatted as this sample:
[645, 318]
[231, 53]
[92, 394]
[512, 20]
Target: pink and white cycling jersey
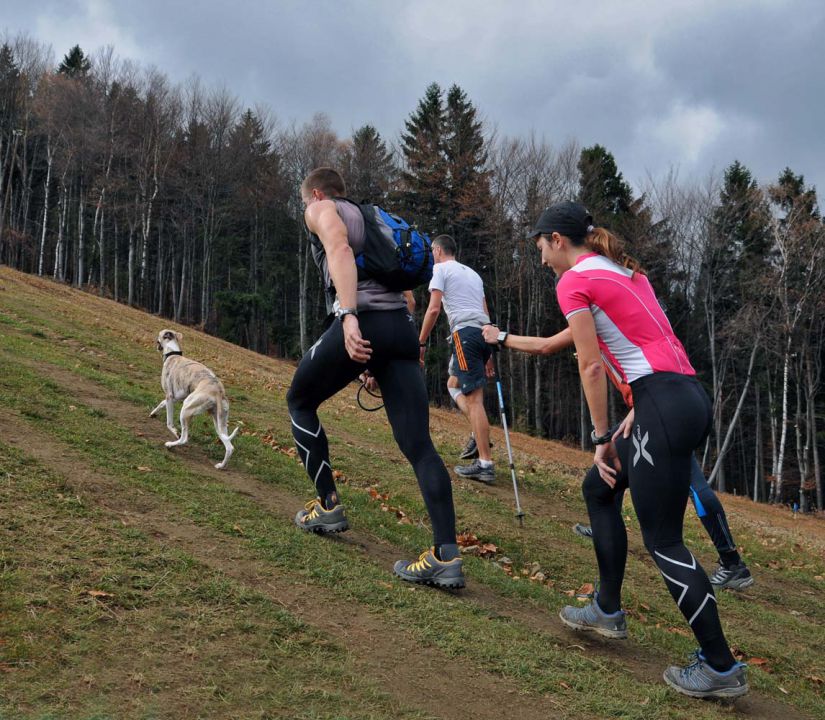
[635, 336]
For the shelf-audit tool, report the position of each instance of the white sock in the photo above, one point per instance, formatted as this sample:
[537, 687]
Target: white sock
[485, 463]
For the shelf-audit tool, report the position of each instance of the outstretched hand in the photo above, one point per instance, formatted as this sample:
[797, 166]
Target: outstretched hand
[357, 348]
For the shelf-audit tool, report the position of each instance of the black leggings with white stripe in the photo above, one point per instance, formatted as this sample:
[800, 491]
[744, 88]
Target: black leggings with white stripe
[326, 368]
[672, 418]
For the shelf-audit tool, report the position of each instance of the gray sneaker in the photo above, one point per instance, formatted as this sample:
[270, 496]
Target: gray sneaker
[470, 451]
[700, 680]
[592, 617]
[314, 518]
[475, 471]
[736, 577]
[584, 531]
[429, 570]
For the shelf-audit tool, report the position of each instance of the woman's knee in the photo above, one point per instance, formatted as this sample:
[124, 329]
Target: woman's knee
[595, 490]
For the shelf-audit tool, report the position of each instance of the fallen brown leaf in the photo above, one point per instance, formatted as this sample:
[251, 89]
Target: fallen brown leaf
[586, 590]
[97, 593]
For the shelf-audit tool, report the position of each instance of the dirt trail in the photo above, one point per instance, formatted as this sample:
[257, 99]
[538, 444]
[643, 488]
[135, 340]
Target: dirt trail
[413, 674]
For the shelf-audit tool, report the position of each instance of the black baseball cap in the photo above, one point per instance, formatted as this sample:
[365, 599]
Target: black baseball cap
[566, 218]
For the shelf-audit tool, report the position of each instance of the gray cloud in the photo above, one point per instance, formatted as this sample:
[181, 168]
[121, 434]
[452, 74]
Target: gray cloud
[693, 84]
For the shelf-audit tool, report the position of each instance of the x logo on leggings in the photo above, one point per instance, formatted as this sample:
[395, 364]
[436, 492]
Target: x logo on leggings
[640, 443]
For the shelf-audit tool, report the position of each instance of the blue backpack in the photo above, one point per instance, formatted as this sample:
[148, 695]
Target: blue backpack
[398, 256]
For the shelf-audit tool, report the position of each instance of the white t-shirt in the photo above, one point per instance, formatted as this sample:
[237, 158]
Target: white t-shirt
[463, 294]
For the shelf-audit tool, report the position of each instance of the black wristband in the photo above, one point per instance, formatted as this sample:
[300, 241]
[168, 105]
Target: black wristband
[600, 439]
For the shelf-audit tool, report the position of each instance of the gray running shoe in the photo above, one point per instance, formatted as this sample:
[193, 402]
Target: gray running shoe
[736, 577]
[475, 471]
[429, 570]
[314, 518]
[470, 451]
[584, 530]
[700, 680]
[591, 617]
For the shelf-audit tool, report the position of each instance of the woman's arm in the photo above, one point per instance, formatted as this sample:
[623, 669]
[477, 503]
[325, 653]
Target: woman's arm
[594, 384]
[591, 368]
[530, 344]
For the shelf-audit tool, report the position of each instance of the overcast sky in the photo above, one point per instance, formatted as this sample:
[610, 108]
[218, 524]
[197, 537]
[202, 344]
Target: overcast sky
[660, 83]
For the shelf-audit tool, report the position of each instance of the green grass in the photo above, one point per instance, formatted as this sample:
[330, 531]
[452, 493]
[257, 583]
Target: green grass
[99, 621]
[585, 684]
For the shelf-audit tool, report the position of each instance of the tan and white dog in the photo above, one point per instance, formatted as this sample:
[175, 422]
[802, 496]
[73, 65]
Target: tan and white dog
[200, 390]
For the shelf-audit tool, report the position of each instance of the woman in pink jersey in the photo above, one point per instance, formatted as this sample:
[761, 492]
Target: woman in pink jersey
[619, 327]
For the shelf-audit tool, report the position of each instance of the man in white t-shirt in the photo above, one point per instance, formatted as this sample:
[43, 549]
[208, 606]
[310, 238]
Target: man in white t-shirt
[461, 292]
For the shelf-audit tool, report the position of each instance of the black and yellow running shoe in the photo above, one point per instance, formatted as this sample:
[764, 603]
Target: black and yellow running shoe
[429, 570]
[315, 518]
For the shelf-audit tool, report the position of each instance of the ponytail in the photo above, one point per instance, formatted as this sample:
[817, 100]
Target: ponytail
[602, 241]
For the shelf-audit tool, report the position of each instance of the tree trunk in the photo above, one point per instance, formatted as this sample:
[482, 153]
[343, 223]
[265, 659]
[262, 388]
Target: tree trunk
[80, 240]
[42, 253]
[102, 256]
[757, 463]
[812, 382]
[802, 447]
[117, 259]
[734, 420]
[5, 195]
[783, 430]
[130, 266]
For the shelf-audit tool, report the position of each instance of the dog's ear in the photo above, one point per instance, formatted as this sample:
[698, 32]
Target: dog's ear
[178, 336]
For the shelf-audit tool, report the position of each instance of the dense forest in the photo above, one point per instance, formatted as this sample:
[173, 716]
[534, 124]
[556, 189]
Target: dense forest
[178, 200]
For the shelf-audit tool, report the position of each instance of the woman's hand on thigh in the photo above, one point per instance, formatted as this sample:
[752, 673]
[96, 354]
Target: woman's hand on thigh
[606, 460]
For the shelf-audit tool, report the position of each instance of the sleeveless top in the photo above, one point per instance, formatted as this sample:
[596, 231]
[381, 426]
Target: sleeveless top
[372, 295]
[635, 336]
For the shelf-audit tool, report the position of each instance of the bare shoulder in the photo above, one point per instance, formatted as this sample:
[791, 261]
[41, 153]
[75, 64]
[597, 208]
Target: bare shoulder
[315, 213]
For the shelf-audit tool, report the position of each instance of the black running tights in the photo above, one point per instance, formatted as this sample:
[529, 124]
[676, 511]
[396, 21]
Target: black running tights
[326, 368]
[671, 420]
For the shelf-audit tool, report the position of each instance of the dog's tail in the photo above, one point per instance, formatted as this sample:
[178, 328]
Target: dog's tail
[235, 432]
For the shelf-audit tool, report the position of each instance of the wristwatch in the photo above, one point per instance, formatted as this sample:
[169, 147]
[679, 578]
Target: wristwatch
[600, 439]
[340, 312]
[502, 336]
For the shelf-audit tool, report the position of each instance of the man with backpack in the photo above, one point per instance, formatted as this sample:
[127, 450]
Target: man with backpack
[461, 292]
[372, 330]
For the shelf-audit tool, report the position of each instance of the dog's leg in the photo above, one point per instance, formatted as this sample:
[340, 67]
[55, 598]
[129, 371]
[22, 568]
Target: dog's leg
[186, 412]
[170, 415]
[221, 418]
[157, 409]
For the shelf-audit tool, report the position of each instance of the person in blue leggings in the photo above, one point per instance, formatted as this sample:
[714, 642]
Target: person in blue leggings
[732, 572]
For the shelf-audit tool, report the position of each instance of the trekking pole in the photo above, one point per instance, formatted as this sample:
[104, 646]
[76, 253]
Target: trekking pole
[519, 511]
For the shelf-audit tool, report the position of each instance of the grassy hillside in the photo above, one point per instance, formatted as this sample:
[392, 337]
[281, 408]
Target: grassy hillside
[139, 582]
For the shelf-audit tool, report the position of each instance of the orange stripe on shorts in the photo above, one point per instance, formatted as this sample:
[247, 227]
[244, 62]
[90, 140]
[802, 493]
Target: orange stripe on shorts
[459, 352]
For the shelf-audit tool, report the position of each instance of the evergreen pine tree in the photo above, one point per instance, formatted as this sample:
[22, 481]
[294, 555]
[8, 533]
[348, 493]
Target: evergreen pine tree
[368, 166]
[742, 222]
[424, 195]
[469, 182]
[10, 89]
[75, 64]
[602, 189]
